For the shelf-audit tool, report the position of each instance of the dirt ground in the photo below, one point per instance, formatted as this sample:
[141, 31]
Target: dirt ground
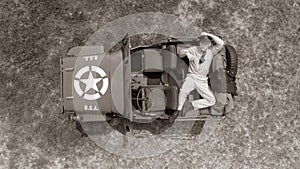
[263, 130]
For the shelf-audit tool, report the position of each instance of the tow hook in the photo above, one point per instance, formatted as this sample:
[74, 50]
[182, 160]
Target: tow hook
[73, 117]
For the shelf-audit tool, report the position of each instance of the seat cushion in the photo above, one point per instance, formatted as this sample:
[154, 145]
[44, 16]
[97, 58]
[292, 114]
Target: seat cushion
[153, 61]
[156, 99]
[170, 57]
[172, 97]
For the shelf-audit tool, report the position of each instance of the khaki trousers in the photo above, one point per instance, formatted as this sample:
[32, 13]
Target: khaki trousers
[190, 83]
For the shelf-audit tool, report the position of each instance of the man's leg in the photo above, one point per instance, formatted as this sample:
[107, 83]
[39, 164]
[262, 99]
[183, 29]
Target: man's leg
[207, 94]
[187, 86]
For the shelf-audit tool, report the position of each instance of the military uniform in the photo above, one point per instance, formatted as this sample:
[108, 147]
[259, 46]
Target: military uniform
[199, 65]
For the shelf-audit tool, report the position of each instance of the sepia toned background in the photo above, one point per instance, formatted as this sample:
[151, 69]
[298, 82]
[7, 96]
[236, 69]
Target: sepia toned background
[262, 131]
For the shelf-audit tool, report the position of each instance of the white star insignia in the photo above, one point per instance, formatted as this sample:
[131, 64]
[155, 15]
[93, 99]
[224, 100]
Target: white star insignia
[91, 82]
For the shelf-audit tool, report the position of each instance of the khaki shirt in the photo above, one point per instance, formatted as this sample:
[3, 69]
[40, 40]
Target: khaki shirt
[196, 69]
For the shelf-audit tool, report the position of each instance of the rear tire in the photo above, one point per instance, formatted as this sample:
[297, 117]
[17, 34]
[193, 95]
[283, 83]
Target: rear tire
[232, 61]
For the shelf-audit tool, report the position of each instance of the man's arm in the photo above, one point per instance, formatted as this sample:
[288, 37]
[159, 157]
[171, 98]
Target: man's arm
[219, 43]
[218, 40]
[187, 53]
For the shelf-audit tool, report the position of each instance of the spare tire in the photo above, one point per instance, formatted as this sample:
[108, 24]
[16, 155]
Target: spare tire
[232, 61]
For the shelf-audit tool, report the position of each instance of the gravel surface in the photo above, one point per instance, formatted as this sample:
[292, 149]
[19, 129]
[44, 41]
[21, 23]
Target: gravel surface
[262, 131]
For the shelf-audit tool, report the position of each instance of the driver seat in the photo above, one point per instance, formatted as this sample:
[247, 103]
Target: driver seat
[161, 98]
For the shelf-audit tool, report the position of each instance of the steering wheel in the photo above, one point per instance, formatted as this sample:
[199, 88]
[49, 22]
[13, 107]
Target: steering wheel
[143, 99]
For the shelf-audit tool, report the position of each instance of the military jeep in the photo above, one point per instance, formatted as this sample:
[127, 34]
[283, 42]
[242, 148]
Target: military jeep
[124, 86]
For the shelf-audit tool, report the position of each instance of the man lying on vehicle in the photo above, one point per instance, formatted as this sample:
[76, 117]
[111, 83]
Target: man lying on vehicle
[200, 58]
